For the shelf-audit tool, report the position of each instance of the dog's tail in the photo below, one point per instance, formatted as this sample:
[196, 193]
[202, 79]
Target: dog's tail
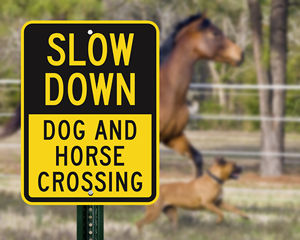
[13, 124]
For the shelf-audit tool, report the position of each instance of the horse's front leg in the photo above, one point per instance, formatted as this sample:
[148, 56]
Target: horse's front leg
[181, 145]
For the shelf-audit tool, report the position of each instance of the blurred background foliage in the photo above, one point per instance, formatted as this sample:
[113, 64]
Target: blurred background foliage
[230, 15]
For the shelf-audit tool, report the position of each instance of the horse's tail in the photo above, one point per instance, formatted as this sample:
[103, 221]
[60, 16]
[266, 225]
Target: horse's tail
[13, 124]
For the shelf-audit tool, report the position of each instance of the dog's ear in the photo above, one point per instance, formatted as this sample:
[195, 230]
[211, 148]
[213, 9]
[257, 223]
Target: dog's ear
[221, 161]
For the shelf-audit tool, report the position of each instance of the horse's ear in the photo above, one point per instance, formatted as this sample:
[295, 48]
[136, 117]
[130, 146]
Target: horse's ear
[205, 23]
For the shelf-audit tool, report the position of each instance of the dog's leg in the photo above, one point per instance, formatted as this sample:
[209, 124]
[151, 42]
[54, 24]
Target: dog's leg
[171, 213]
[233, 209]
[213, 208]
[152, 213]
[181, 145]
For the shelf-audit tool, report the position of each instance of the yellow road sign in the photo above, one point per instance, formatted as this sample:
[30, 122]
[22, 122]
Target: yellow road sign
[90, 97]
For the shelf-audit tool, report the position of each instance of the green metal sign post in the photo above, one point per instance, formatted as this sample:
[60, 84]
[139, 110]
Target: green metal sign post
[90, 222]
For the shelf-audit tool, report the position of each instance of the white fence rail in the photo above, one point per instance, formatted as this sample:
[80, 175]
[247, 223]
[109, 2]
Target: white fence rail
[209, 86]
[200, 86]
[244, 86]
[9, 81]
[293, 155]
[242, 118]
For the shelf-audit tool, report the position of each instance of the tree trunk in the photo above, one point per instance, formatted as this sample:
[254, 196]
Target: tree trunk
[278, 53]
[271, 102]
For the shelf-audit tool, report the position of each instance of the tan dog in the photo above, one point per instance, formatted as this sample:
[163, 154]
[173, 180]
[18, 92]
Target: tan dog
[202, 192]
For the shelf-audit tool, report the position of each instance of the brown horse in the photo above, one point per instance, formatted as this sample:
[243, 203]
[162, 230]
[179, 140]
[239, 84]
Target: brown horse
[193, 39]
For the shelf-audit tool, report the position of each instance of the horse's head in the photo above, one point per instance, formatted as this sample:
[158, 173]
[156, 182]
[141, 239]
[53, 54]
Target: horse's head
[206, 41]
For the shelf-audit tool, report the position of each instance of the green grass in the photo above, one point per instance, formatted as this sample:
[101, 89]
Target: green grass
[270, 219]
[274, 209]
[265, 223]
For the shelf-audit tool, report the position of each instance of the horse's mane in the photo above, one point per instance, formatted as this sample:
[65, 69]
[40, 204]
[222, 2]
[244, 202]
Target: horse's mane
[169, 43]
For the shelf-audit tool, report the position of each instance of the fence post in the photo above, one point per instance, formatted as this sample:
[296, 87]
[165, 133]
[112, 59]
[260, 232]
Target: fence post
[89, 222]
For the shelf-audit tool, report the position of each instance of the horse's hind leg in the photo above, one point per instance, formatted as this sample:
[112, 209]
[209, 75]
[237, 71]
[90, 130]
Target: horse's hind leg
[181, 145]
[13, 124]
